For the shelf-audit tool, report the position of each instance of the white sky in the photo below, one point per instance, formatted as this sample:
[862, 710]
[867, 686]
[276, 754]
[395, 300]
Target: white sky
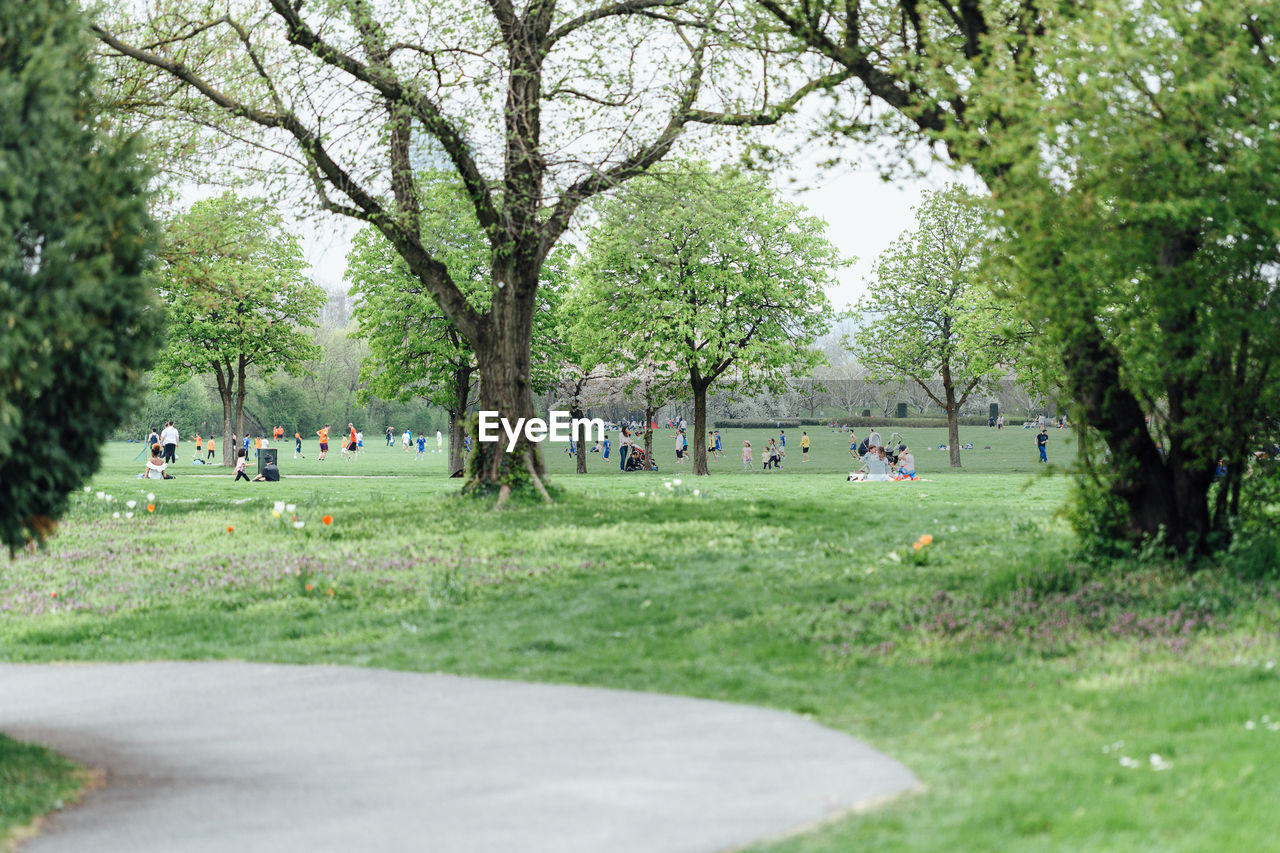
[863, 215]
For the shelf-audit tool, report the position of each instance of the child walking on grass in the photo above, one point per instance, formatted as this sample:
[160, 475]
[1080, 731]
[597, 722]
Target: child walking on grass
[241, 459]
[746, 457]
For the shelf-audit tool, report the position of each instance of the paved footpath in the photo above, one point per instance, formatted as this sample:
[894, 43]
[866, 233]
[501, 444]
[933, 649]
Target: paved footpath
[257, 757]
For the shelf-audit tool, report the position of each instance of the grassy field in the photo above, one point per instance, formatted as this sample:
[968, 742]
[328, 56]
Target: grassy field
[1046, 702]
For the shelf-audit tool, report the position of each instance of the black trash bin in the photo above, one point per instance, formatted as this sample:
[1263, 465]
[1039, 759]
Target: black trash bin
[266, 456]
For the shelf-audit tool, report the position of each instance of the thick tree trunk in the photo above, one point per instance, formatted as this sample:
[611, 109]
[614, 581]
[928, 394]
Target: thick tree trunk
[700, 429]
[503, 357]
[1156, 502]
[457, 418]
[228, 429]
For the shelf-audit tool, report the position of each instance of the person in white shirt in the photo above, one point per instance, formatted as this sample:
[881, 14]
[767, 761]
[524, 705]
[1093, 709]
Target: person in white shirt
[155, 466]
[406, 440]
[169, 438]
[439, 442]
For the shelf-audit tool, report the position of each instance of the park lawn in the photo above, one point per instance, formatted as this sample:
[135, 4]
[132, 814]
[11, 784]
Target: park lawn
[791, 589]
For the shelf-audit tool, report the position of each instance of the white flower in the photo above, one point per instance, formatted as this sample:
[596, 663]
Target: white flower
[279, 507]
[1131, 763]
[130, 504]
[1250, 725]
[697, 492]
[151, 496]
[115, 515]
[675, 482]
[298, 525]
[128, 515]
[641, 493]
[102, 496]
[110, 498]
[290, 507]
[893, 555]
[1158, 763]
[1270, 664]
[668, 485]
[86, 488]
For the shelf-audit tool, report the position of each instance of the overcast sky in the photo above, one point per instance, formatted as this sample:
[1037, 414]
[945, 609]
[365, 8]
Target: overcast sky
[863, 214]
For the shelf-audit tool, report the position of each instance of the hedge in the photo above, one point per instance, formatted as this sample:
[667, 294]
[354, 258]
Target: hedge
[880, 423]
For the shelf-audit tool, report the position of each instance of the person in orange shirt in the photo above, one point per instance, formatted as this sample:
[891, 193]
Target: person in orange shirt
[199, 447]
[324, 442]
[209, 447]
[257, 446]
[297, 448]
[350, 445]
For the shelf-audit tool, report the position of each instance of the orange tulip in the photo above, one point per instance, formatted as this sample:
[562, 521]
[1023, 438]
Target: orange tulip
[328, 519]
[926, 539]
[310, 587]
[328, 592]
[230, 528]
[151, 507]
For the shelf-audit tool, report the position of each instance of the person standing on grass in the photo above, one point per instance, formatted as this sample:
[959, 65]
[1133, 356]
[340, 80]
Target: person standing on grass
[439, 442]
[1042, 439]
[406, 440]
[391, 433]
[422, 448]
[746, 457]
[242, 459]
[719, 449]
[297, 445]
[853, 446]
[153, 437]
[625, 444]
[209, 447]
[359, 440]
[323, 432]
[199, 447]
[351, 447]
[680, 446]
[999, 422]
[169, 438]
[606, 445]
[782, 441]
[804, 446]
[257, 447]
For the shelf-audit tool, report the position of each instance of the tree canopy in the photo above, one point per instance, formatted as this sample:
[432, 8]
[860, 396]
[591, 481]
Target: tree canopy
[79, 323]
[930, 316]
[238, 299]
[708, 274]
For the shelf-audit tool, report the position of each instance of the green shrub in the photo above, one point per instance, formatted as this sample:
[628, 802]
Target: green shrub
[78, 321]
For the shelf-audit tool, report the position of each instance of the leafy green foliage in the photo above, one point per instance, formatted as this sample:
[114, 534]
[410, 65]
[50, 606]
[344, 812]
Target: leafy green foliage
[238, 297]
[78, 321]
[706, 274]
[930, 315]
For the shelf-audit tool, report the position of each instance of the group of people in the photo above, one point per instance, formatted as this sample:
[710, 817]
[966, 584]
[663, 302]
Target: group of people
[878, 462]
[407, 442]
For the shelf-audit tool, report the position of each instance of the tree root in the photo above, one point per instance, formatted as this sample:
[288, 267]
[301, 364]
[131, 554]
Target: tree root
[537, 481]
[503, 493]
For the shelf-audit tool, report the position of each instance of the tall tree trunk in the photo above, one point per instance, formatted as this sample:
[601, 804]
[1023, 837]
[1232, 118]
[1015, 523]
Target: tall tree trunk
[228, 427]
[649, 414]
[579, 442]
[700, 428]
[953, 415]
[240, 392]
[503, 357]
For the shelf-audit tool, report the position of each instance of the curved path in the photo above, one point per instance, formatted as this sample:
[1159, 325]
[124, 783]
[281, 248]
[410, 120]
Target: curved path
[257, 757]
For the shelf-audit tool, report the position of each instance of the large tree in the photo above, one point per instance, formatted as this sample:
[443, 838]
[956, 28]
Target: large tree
[931, 318]
[1116, 137]
[536, 108]
[416, 350]
[709, 274]
[79, 323]
[239, 301]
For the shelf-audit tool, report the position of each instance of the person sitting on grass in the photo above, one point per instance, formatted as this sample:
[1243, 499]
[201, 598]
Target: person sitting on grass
[270, 474]
[906, 463]
[877, 465]
[242, 459]
[155, 465]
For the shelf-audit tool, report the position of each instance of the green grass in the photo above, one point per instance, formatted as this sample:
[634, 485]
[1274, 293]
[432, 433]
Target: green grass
[998, 667]
[33, 781]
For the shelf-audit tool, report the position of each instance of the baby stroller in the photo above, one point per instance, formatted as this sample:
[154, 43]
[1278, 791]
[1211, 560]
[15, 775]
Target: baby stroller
[638, 460]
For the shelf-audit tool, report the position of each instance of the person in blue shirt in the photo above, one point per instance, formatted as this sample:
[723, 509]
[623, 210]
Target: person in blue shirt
[782, 439]
[719, 449]
[422, 447]
[1041, 440]
[606, 445]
